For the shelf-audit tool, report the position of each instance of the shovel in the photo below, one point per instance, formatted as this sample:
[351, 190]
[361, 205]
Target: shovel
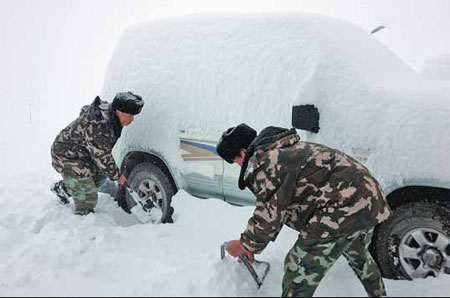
[244, 259]
[145, 210]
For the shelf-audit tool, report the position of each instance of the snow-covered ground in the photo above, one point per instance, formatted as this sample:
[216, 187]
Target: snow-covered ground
[45, 250]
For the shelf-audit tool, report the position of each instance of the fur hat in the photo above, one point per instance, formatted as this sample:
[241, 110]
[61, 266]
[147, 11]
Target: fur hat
[127, 102]
[233, 140]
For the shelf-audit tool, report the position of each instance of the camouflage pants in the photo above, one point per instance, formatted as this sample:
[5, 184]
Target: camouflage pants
[310, 259]
[84, 192]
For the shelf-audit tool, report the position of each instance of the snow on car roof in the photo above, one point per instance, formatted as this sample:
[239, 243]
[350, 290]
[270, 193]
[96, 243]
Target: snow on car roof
[254, 67]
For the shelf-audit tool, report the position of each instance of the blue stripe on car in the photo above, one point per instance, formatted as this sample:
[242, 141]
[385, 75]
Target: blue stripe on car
[202, 146]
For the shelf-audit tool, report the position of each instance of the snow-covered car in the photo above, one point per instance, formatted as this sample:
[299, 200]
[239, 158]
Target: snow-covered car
[201, 74]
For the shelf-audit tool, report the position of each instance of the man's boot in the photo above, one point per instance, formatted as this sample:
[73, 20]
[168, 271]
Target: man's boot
[60, 190]
[84, 212]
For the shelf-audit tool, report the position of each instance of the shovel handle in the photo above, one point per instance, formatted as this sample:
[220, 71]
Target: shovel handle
[244, 259]
[223, 248]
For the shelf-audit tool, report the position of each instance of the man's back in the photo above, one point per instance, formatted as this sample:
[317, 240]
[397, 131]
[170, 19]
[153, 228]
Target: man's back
[325, 193]
[79, 148]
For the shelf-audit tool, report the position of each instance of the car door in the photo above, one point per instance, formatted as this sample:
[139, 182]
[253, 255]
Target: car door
[203, 168]
[231, 191]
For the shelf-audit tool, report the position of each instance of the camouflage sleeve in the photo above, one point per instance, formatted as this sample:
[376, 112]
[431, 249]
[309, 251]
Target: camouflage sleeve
[266, 222]
[100, 150]
[84, 109]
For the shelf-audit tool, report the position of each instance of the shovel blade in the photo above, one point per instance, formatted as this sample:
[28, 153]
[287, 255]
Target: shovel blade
[144, 214]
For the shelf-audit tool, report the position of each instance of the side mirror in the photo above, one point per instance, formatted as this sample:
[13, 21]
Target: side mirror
[306, 117]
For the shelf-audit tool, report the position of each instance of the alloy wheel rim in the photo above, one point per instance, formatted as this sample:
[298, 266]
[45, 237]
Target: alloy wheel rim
[150, 191]
[424, 252]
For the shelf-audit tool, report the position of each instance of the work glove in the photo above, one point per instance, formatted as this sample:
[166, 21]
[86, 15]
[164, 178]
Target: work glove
[123, 180]
[235, 249]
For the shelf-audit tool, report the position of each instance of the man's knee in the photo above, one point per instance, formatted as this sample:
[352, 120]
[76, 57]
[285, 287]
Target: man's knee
[83, 191]
[99, 180]
[304, 271]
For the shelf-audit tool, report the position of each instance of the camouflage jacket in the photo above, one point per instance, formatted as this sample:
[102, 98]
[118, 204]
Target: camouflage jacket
[320, 192]
[84, 147]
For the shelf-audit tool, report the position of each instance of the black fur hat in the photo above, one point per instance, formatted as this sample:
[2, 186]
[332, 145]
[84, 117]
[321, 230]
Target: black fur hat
[127, 102]
[233, 140]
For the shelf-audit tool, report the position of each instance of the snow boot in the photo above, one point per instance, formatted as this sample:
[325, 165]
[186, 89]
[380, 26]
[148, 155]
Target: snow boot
[60, 190]
[84, 212]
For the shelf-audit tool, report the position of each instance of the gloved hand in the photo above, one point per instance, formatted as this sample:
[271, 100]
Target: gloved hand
[123, 180]
[235, 248]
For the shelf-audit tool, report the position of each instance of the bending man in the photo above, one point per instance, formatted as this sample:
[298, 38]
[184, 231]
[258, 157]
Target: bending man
[327, 196]
[82, 152]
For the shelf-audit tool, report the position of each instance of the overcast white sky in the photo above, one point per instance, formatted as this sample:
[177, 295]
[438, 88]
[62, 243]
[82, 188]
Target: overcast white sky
[60, 48]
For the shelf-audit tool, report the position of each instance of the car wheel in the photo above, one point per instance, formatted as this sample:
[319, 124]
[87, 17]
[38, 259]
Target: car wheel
[414, 242]
[150, 182]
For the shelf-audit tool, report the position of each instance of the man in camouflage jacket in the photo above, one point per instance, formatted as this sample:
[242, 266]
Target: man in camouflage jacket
[82, 152]
[331, 199]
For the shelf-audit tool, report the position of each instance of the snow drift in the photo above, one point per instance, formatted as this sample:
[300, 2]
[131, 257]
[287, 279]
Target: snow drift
[48, 251]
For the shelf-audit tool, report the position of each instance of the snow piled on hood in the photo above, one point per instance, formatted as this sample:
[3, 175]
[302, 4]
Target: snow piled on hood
[48, 251]
[204, 73]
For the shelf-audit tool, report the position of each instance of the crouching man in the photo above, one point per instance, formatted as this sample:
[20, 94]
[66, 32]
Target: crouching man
[327, 196]
[82, 152]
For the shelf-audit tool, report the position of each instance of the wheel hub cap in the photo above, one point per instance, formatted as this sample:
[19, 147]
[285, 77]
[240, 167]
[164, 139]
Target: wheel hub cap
[433, 258]
[424, 252]
[151, 193]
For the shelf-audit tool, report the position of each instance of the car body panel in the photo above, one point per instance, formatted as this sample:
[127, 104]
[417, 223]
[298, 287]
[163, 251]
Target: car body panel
[205, 178]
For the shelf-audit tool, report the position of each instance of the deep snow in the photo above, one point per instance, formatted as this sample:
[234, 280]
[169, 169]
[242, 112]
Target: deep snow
[48, 251]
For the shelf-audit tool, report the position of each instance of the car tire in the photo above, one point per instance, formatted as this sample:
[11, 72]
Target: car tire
[414, 242]
[148, 179]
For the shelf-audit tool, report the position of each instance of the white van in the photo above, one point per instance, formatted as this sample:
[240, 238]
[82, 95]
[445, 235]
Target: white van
[202, 74]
